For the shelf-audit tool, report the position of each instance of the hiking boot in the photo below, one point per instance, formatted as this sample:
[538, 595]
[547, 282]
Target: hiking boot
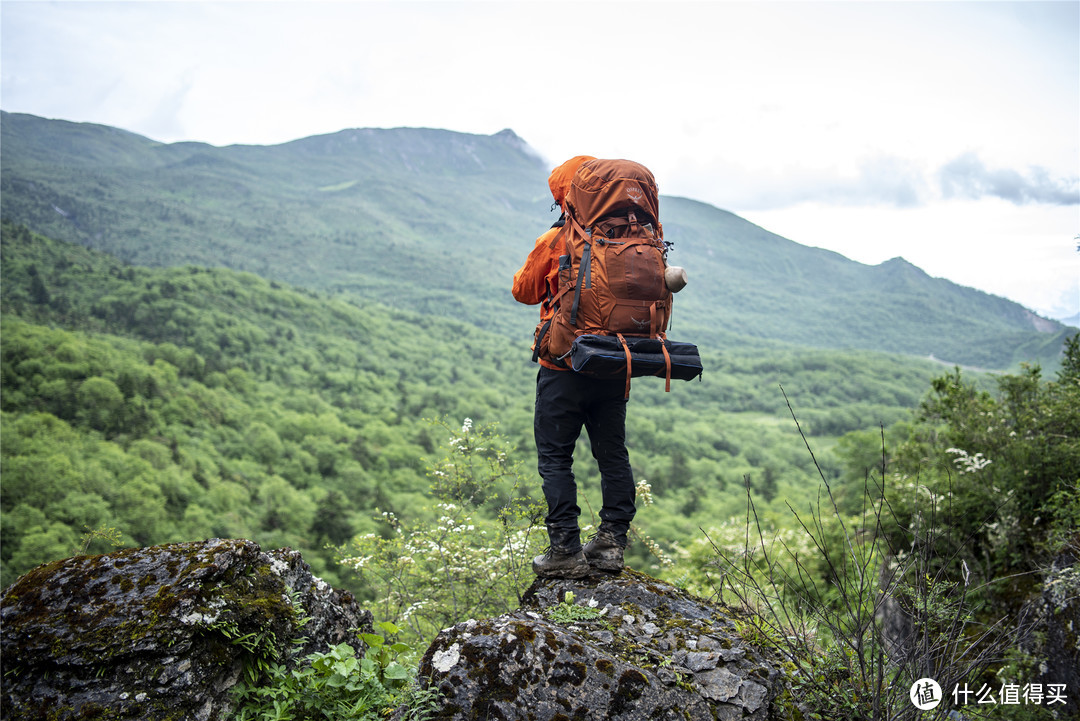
[604, 552]
[553, 564]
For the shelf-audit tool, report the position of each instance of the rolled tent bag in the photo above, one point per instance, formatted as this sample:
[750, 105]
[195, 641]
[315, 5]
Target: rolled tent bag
[606, 356]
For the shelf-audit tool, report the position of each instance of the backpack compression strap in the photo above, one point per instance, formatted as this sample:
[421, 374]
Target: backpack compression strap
[629, 361]
[667, 362]
[584, 274]
[584, 277]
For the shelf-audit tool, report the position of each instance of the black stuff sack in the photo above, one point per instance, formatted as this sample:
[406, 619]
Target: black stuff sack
[606, 356]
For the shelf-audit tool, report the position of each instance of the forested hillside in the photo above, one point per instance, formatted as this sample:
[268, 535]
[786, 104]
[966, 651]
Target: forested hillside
[182, 403]
[313, 345]
[436, 222]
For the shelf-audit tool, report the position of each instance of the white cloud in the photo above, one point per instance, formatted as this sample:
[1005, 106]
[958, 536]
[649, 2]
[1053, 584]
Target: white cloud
[967, 177]
[864, 114]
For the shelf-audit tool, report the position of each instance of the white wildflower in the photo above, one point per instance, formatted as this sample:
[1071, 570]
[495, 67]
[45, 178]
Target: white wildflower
[644, 492]
[967, 463]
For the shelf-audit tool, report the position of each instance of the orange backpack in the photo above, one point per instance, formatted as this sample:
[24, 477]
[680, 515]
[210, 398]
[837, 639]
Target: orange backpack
[611, 277]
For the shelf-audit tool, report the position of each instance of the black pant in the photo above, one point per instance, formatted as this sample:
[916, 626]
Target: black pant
[565, 401]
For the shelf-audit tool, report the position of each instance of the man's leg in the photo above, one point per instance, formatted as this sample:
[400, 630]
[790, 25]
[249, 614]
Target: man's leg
[557, 422]
[606, 425]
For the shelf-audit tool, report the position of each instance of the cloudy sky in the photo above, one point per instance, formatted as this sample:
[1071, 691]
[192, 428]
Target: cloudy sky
[947, 133]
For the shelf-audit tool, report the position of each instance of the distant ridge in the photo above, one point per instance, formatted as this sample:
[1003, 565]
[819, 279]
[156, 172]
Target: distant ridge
[437, 222]
[1073, 321]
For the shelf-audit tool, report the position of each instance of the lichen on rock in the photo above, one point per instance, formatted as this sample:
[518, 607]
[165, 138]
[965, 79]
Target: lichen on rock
[162, 632]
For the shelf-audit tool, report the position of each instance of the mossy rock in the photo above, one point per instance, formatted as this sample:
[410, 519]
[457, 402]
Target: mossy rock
[652, 652]
[162, 632]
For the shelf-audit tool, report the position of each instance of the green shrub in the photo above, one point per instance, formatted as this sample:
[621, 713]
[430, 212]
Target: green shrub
[337, 685]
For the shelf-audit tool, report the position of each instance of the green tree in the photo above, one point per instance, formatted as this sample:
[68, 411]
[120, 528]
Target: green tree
[101, 404]
[1006, 464]
[38, 292]
[263, 443]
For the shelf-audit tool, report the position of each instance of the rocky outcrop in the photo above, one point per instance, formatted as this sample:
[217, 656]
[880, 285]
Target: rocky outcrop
[162, 632]
[1059, 619]
[623, 647]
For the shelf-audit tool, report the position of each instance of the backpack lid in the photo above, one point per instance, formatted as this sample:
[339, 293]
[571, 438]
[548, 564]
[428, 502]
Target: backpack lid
[603, 188]
[560, 178]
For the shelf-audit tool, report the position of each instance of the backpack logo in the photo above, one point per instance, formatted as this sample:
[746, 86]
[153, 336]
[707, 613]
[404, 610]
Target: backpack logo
[635, 194]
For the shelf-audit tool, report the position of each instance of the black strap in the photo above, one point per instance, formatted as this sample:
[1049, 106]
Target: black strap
[540, 337]
[583, 271]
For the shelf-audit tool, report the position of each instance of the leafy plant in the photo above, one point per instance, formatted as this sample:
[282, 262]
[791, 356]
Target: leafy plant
[381, 657]
[338, 685]
[110, 535]
[567, 611]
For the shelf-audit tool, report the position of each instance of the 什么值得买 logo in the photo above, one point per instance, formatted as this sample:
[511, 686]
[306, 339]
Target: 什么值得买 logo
[925, 694]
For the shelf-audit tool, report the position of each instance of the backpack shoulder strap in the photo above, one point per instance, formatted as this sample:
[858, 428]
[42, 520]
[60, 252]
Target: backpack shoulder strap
[561, 235]
[584, 267]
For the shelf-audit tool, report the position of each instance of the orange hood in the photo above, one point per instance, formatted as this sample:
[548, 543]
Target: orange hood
[559, 180]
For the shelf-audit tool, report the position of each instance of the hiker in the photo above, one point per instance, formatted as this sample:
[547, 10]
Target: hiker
[566, 401]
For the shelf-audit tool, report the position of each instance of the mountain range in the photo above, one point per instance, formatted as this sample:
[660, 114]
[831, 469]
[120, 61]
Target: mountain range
[436, 222]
